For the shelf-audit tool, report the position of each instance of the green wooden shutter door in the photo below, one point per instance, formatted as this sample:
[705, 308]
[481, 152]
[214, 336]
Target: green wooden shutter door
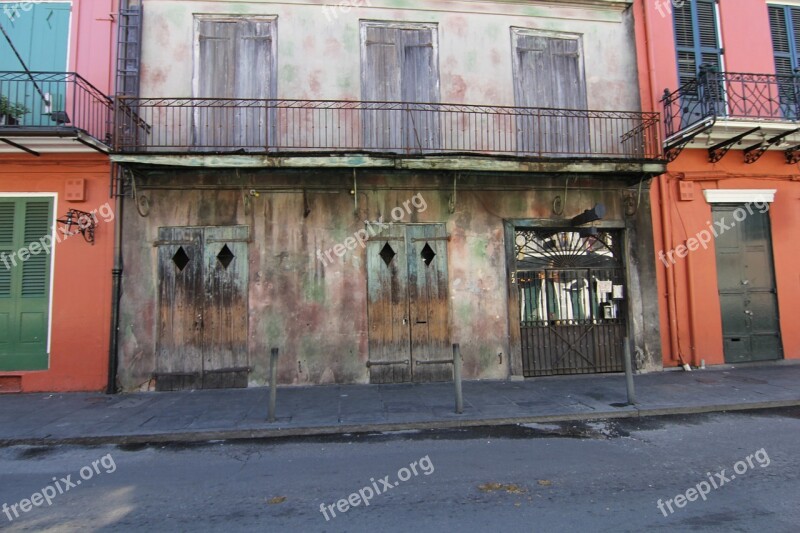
[24, 285]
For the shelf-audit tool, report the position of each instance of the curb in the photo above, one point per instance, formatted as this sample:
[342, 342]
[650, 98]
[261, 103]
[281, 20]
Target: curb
[196, 436]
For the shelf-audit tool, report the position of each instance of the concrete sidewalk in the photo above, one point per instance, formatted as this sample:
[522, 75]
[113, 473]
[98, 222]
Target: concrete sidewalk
[81, 418]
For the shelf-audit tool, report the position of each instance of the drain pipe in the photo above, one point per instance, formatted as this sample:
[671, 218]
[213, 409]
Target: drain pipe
[116, 282]
[666, 230]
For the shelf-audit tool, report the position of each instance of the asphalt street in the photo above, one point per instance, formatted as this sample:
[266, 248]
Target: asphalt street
[719, 472]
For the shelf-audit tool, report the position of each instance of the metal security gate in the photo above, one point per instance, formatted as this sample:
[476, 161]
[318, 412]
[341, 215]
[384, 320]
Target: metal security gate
[571, 296]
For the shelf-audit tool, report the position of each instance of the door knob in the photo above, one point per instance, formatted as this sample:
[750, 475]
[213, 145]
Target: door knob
[745, 281]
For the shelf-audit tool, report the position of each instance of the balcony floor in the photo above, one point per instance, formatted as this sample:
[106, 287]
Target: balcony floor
[17, 141]
[426, 162]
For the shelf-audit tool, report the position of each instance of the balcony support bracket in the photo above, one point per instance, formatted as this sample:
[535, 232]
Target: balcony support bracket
[20, 147]
[754, 153]
[718, 151]
[792, 155]
[673, 149]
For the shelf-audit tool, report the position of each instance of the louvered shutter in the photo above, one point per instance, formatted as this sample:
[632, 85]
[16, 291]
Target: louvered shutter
[784, 22]
[696, 38]
[24, 285]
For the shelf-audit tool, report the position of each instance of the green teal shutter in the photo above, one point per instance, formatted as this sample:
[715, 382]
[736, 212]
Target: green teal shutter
[24, 285]
[784, 23]
[40, 33]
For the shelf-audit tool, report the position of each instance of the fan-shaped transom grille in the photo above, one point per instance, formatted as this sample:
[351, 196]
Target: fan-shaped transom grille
[540, 248]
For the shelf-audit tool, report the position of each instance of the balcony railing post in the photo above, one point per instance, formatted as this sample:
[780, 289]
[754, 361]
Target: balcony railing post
[796, 93]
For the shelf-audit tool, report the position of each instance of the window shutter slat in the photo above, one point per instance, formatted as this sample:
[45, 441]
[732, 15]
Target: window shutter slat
[35, 271]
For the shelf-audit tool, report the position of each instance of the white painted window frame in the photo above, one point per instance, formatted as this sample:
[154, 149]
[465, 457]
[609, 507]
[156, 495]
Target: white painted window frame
[739, 196]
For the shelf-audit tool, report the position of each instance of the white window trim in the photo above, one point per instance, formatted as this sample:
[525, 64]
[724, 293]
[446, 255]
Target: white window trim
[793, 3]
[54, 196]
[739, 196]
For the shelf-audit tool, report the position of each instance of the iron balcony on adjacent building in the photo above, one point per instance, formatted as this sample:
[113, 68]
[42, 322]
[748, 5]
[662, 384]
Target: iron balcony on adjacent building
[44, 112]
[757, 112]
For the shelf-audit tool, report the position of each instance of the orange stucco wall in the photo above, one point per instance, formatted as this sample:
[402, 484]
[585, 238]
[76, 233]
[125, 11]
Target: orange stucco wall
[695, 332]
[81, 298]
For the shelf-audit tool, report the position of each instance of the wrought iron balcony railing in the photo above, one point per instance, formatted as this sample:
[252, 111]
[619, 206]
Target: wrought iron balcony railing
[197, 125]
[731, 95]
[58, 103]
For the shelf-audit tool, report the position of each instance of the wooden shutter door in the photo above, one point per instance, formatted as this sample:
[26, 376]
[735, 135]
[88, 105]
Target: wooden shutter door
[387, 307]
[24, 288]
[225, 316]
[254, 79]
[419, 84]
[180, 308]
[549, 74]
[381, 83]
[531, 88]
[215, 72]
[428, 301]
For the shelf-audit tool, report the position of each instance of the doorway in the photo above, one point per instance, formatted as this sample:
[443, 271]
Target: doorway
[202, 308]
[747, 292]
[409, 334]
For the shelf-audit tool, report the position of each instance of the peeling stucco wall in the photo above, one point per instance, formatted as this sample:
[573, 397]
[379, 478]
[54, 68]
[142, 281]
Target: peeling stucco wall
[319, 49]
[316, 311]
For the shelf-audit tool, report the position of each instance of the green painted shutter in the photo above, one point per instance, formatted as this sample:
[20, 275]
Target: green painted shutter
[24, 285]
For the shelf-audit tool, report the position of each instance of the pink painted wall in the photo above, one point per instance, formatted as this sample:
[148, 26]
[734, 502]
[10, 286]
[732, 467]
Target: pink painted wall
[745, 38]
[93, 42]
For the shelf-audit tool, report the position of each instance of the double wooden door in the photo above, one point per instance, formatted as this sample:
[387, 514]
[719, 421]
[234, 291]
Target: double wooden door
[409, 335]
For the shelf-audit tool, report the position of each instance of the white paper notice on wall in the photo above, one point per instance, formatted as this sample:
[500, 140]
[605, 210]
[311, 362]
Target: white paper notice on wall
[617, 293]
[604, 286]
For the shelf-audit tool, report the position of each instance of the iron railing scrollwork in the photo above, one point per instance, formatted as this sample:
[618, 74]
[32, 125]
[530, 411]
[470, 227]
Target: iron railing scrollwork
[731, 95]
[56, 100]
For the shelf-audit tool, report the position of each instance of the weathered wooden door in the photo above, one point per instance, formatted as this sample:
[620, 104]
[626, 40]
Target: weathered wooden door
[202, 329]
[400, 70]
[747, 293]
[408, 305]
[236, 62]
[549, 76]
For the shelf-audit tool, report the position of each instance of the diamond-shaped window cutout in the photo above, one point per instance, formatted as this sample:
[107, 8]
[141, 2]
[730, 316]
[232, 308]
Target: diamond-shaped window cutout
[225, 256]
[427, 254]
[387, 254]
[181, 259]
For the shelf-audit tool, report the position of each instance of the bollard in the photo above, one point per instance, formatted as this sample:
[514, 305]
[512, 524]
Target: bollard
[273, 382]
[629, 373]
[457, 378]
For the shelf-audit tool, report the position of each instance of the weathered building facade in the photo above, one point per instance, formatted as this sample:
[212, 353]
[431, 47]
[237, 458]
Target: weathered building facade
[727, 219]
[364, 185]
[56, 210]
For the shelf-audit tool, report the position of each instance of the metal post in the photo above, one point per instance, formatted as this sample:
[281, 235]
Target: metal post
[457, 378]
[273, 381]
[629, 373]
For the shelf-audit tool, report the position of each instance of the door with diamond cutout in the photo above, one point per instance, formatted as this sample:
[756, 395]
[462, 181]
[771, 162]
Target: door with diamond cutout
[407, 304]
[202, 329]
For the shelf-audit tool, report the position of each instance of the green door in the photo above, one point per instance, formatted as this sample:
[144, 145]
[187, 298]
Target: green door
[748, 298]
[24, 285]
